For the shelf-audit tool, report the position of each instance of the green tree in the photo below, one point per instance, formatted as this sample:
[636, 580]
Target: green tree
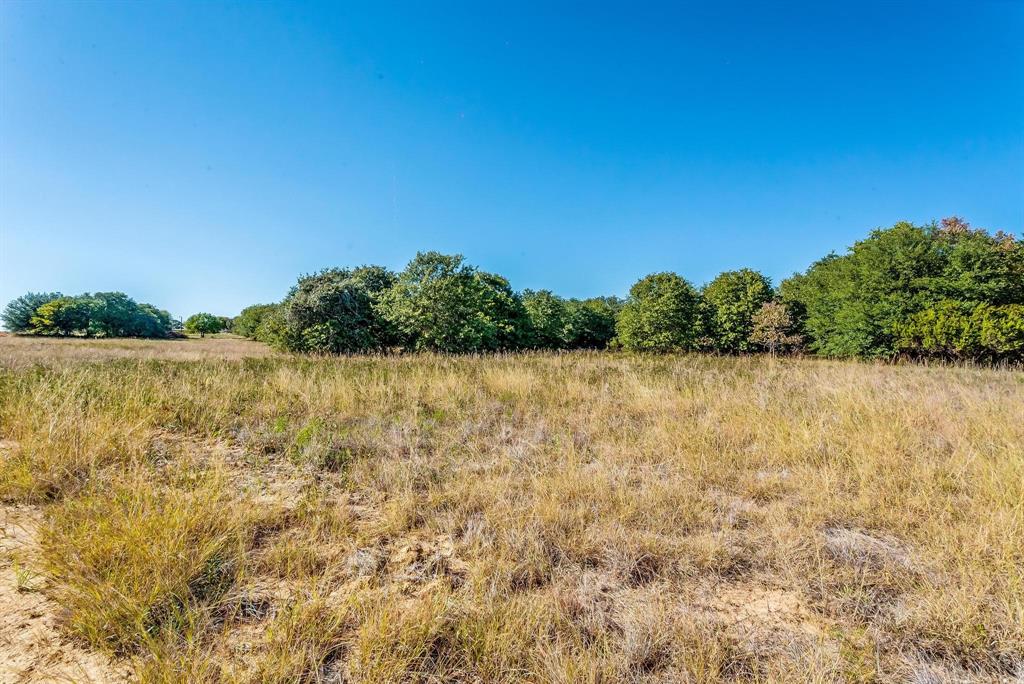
[728, 304]
[857, 304]
[660, 315]
[334, 311]
[113, 314]
[548, 319]
[63, 316]
[590, 323]
[248, 321]
[955, 329]
[439, 303]
[150, 321]
[204, 324]
[17, 315]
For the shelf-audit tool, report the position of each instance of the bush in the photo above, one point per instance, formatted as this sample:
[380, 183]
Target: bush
[955, 330]
[660, 315]
[729, 304]
[249, 320]
[334, 311]
[773, 330]
[439, 303]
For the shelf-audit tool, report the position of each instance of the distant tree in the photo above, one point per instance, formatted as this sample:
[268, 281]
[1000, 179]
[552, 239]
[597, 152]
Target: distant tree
[439, 303]
[17, 315]
[548, 319]
[63, 316]
[773, 329]
[660, 315]
[204, 324]
[728, 305]
[248, 321]
[334, 312]
[590, 323]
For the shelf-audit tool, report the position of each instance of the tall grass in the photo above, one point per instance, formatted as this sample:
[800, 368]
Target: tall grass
[556, 518]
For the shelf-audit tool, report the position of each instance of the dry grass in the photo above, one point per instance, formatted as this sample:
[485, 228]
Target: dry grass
[547, 518]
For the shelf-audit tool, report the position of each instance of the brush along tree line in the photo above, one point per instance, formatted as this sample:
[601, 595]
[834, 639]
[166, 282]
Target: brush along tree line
[940, 290]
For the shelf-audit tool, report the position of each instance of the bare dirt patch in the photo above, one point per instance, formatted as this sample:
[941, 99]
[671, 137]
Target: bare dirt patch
[31, 647]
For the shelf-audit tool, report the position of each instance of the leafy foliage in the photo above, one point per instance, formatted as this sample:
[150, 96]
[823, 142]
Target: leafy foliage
[334, 311]
[439, 303]
[955, 330]
[548, 316]
[103, 314]
[729, 304]
[248, 321]
[773, 329]
[62, 316]
[660, 315]
[590, 323]
[204, 324]
[17, 315]
[859, 304]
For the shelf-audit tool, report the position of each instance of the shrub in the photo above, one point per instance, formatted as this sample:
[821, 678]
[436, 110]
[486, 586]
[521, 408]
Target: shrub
[249, 320]
[956, 330]
[660, 315]
[334, 311]
[729, 304]
[439, 303]
[773, 329]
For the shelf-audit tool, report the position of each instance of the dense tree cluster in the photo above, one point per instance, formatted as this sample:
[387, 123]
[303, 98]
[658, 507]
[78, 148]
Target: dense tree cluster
[944, 290]
[937, 291]
[204, 324]
[101, 314]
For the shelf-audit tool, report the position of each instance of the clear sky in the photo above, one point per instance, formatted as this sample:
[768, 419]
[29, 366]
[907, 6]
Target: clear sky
[201, 155]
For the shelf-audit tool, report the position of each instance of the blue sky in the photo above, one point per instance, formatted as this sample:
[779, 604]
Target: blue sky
[201, 155]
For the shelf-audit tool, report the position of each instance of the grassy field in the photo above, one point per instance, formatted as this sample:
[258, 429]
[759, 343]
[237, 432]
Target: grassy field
[203, 510]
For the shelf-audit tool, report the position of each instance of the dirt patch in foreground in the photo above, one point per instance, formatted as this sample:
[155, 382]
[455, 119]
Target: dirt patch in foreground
[31, 647]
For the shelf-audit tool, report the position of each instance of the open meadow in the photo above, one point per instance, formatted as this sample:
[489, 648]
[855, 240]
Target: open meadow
[210, 511]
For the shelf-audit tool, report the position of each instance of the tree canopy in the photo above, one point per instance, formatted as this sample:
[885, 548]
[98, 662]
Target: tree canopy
[882, 297]
[204, 324]
[660, 315]
[440, 303]
[102, 314]
[942, 290]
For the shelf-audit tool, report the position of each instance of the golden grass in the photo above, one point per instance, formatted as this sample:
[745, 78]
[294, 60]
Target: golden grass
[547, 518]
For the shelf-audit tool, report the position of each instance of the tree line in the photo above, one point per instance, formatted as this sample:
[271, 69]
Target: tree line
[100, 314]
[942, 290]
